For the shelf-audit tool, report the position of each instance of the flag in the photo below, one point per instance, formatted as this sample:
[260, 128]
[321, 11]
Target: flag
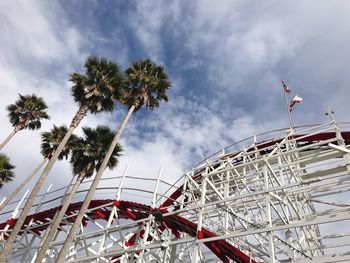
[294, 101]
[285, 87]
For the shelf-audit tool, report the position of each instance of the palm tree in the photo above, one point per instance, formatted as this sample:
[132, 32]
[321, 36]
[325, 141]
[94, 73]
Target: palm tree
[6, 173]
[26, 113]
[96, 91]
[145, 84]
[86, 158]
[50, 142]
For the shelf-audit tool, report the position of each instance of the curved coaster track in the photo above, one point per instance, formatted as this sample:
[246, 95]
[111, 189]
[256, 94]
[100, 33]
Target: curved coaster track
[281, 196]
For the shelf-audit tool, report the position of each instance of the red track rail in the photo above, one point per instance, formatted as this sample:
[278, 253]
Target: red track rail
[137, 211]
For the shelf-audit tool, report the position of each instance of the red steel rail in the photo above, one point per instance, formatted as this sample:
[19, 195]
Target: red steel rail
[136, 211]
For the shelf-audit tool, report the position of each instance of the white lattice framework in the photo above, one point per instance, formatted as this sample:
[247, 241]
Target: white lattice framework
[281, 196]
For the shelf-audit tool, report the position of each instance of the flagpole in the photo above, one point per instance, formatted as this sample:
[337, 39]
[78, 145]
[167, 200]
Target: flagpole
[290, 104]
[291, 121]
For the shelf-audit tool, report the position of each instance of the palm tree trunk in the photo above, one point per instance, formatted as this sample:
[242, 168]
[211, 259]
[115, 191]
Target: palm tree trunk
[57, 220]
[84, 207]
[19, 188]
[9, 244]
[7, 139]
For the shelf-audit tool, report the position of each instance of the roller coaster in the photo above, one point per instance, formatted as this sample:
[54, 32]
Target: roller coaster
[279, 196]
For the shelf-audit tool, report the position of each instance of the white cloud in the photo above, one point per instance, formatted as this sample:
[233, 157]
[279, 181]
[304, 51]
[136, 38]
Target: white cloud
[246, 48]
[35, 31]
[182, 133]
[147, 29]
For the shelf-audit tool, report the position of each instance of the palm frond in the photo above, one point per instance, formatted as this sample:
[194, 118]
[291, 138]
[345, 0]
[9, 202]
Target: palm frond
[146, 84]
[101, 86]
[6, 170]
[27, 112]
[51, 140]
[94, 146]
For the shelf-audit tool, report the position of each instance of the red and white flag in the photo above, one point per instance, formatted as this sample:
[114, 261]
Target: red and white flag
[285, 87]
[294, 101]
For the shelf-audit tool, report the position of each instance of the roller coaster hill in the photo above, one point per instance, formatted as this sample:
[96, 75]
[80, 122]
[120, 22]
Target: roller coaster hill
[280, 196]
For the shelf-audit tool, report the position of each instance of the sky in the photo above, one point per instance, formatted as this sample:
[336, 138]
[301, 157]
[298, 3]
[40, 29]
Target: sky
[225, 59]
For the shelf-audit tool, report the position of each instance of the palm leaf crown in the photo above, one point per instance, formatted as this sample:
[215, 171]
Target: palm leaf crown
[50, 141]
[92, 149]
[27, 112]
[145, 84]
[6, 173]
[99, 88]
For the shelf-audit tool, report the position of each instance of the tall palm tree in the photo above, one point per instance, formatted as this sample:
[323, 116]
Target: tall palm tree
[26, 113]
[86, 158]
[6, 170]
[146, 84]
[49, 143]
[96, 91]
